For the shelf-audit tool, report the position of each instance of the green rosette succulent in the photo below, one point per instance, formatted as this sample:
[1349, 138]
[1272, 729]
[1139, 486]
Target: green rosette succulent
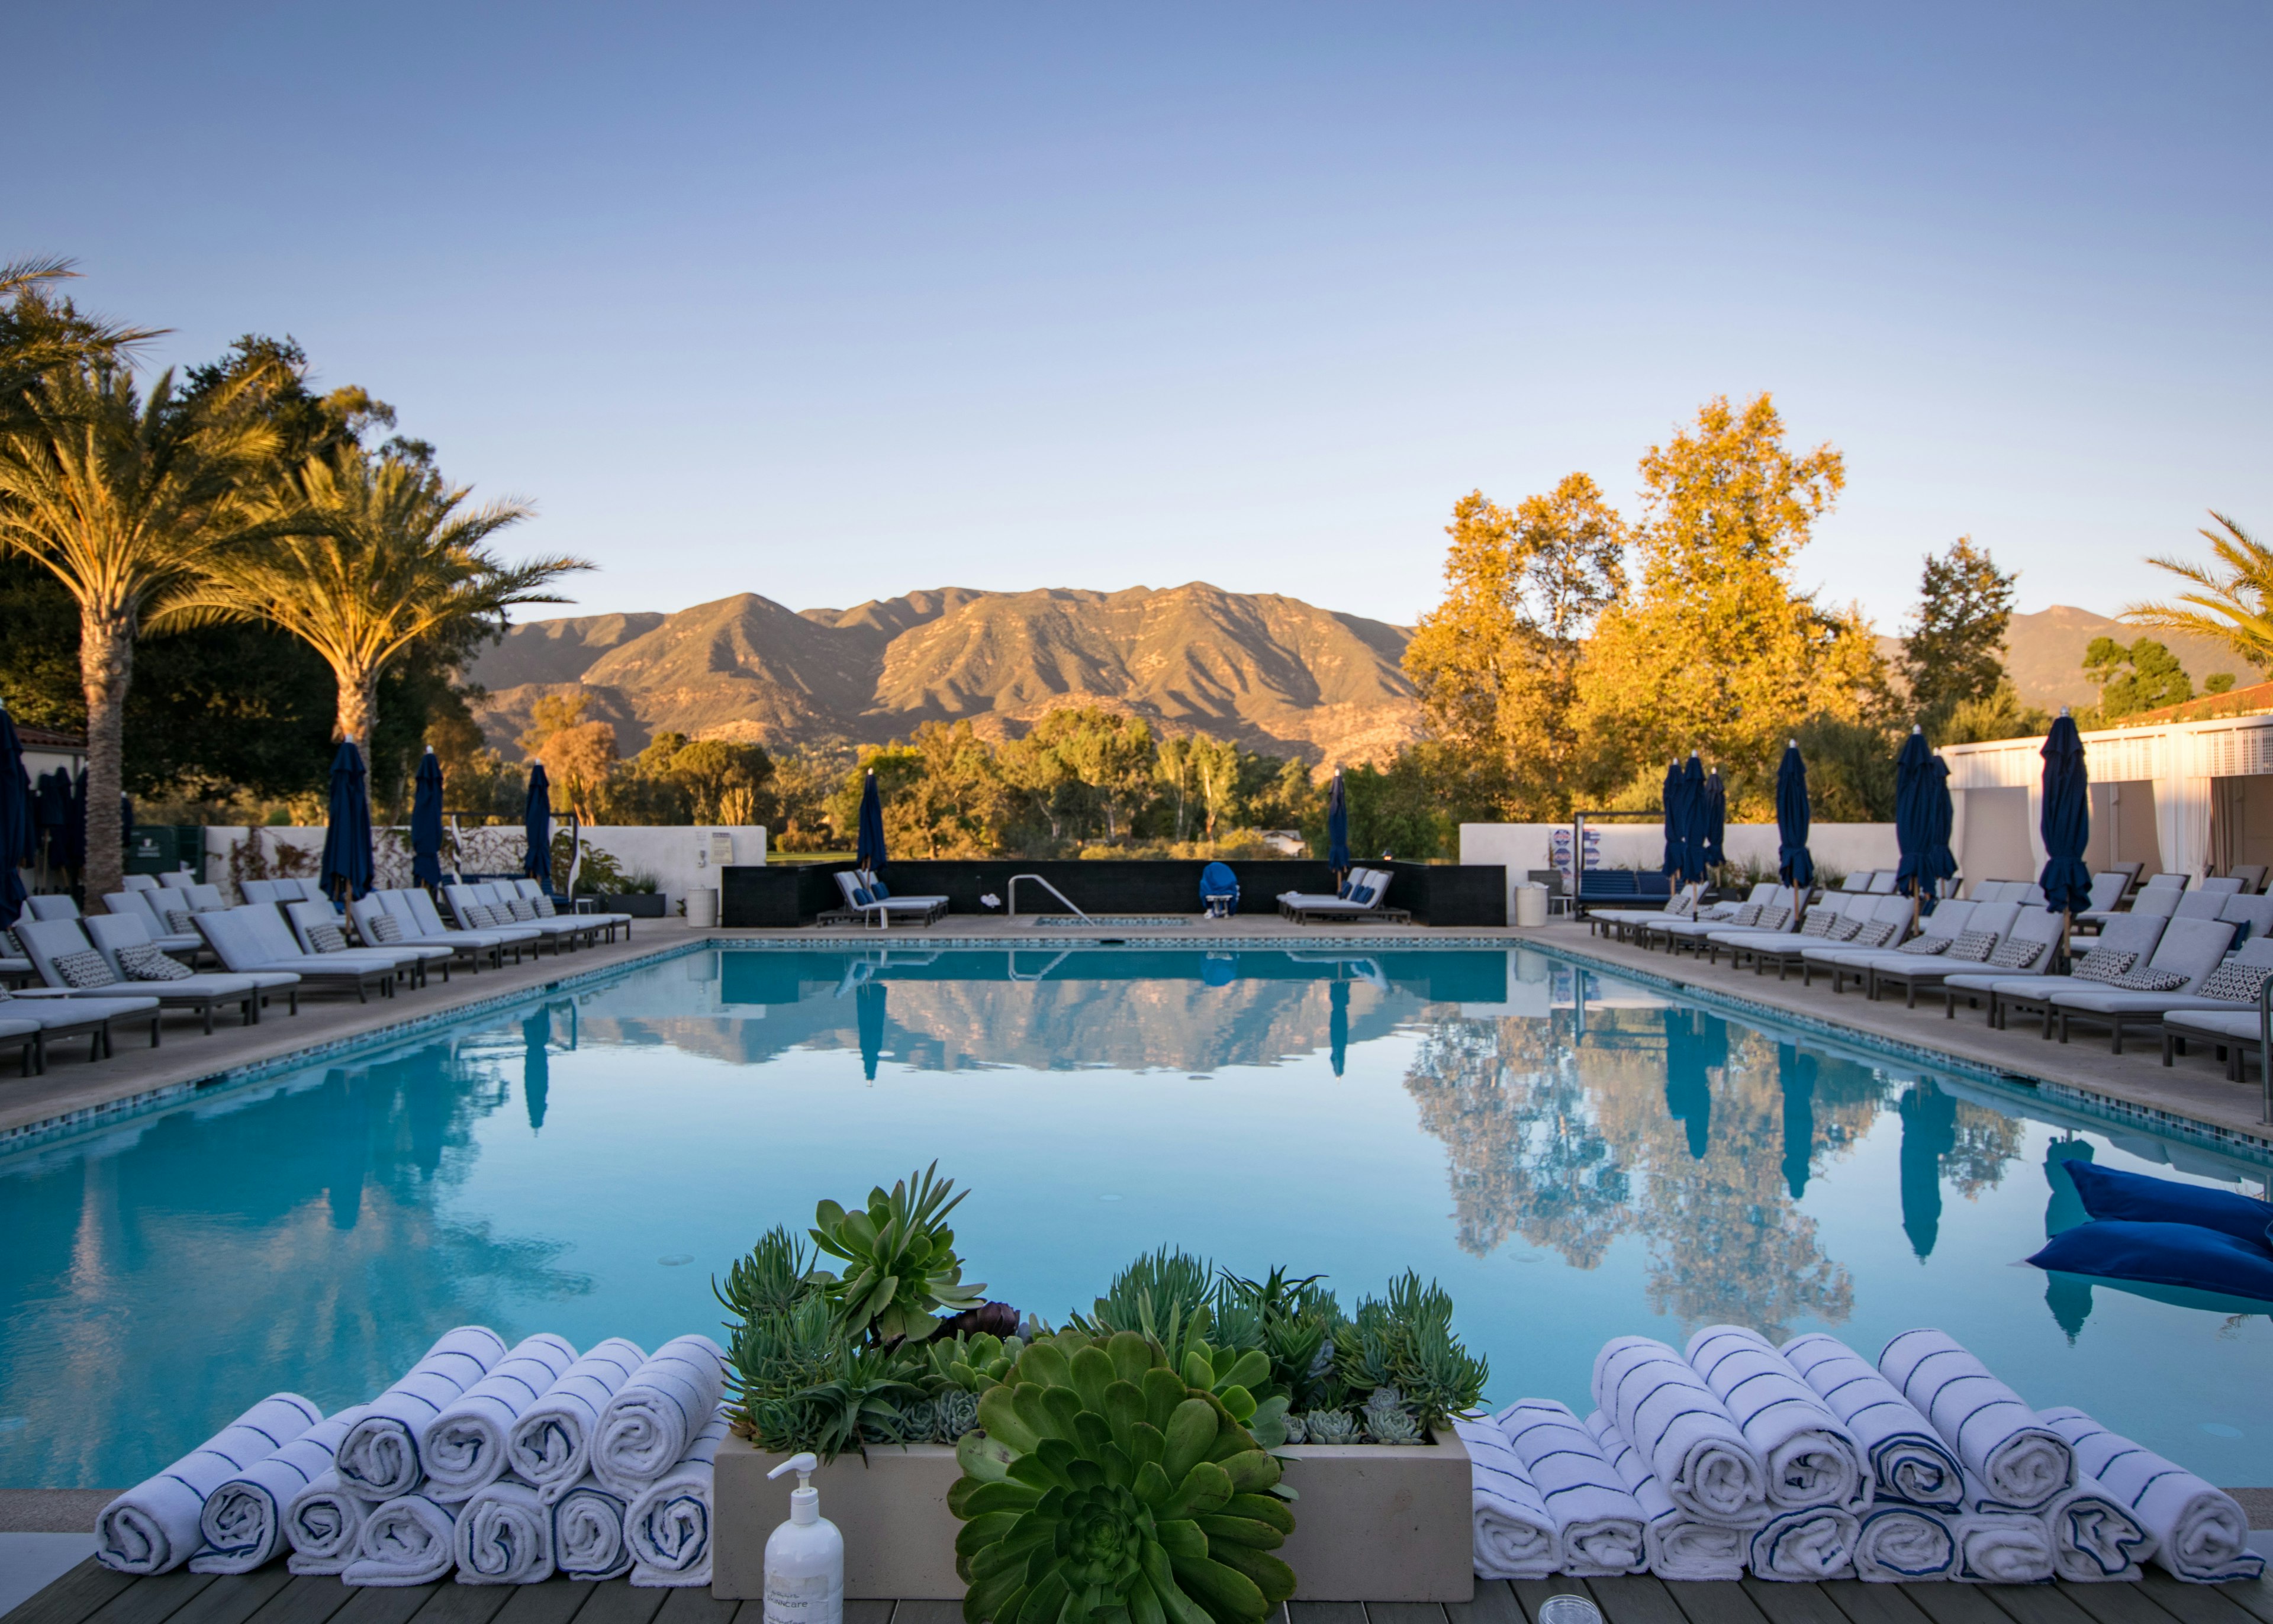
[1107, 1487]
[901, 1270]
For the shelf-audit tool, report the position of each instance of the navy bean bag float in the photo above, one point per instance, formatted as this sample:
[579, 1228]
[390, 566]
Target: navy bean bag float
[2165, 1233]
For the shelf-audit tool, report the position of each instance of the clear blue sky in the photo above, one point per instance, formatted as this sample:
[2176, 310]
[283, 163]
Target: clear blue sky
[830, 303]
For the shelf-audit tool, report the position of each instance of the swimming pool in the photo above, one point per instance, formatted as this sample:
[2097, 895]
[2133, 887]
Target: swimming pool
[1573, 1157]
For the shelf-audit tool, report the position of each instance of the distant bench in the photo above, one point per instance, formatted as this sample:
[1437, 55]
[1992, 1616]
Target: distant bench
[1623, 887]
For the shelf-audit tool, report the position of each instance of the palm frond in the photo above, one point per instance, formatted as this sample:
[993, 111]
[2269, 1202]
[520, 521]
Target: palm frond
[2232, 605]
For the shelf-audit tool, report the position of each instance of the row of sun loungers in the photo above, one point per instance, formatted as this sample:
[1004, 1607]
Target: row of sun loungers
[142, 957]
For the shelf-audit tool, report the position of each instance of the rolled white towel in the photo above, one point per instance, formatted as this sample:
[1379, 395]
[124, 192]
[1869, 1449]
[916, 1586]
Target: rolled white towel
[323, 1522]
[1811, 1459]
[668, 1526]
[244, 1519]
[588, 1533]
[378, 1459]
[1681, 1427]
[2000, 1441]
[1908, 1460]
[504, 1536]
[1599, 1523]
[551, 1445]
[2002, 1547]
[154, 1527]
[463, 1448]
[2096, 1536]
[409, 1539]
[654, 1418]
[2200, 1533]
[1806, 1543]
[1902, 1544]
[1679, 1546]
[1515, 1536]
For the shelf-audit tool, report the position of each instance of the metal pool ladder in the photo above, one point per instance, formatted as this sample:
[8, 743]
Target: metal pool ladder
[1046, 886]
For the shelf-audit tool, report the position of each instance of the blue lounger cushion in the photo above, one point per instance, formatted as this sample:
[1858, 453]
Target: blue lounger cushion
[2179, 1255]
[2110, 1193]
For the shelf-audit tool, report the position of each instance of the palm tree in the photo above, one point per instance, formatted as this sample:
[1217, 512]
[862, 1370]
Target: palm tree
[362, 556]
[2233, 603]
[39, 332]
[121, 497]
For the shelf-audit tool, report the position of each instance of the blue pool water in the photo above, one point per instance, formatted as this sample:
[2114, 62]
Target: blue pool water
[1570, 1167]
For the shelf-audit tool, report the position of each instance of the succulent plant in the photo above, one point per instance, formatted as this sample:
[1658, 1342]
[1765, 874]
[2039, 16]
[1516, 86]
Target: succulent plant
[1166, 1295]
[989, 1319]
[972, 1363]
[953, 1413]
[774, 1279]
[1294, 1322]
[1332, 1426]
[1105, 1488]
[1294, 1430]
[901, 1267]
[798, 1382]
[1407, 1341]
[1390, 1423]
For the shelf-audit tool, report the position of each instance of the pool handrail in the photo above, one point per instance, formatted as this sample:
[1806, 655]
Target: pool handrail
[1012, 911]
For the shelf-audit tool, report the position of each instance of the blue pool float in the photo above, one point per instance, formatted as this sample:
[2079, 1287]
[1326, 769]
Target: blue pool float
[2163, 1233]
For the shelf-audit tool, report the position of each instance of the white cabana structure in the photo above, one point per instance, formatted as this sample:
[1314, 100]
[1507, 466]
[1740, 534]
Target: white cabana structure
[2180, 797]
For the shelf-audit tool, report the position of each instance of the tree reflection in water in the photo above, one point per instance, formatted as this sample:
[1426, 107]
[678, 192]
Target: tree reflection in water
[1698, 1135]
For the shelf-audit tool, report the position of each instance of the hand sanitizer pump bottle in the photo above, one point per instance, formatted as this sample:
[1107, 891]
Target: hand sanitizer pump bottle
[805, 1556]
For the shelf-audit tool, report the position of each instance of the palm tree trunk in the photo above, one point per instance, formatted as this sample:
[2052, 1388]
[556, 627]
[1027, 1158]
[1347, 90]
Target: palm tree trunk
[106, 669]
[358, 714]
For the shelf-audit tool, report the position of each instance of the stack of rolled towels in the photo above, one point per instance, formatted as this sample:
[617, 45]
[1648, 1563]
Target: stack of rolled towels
[1808, 1461]
[508, 1464]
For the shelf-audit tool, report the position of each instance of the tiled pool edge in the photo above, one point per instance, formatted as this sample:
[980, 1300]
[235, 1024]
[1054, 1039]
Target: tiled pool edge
[27, 1135]
[2254, 1147]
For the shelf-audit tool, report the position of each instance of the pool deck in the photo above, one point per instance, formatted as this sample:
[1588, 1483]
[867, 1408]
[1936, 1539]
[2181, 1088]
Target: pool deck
[92, 1595]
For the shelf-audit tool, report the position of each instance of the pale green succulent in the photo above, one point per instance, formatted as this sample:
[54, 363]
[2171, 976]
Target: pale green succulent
[1385, 1424]
[1332, 1426]
[1295, 1429]
[953, 1413]
[901, 1271]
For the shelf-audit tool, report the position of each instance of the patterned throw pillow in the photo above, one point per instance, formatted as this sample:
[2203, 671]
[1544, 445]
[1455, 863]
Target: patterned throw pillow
[2149, 981]
[327, 938]
[10, 948]
[384, 928]
[1748, 915]
[2238, 983]
[89, 969]
[1846, 930]
[1877, 934]
[522, 907]
[1683, 906]
[2105, 964]
[1974, 946]
[2013, 953]
[1925, 944]
[544, 908]
[1819, 923]
[177, 921]
[147, 962]
[476, 917]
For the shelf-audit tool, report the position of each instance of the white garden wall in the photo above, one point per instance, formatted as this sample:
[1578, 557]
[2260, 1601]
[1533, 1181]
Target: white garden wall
[1845, 848]
[677, 858]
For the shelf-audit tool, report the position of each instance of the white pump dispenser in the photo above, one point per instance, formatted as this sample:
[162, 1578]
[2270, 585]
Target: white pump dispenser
[805, 1556]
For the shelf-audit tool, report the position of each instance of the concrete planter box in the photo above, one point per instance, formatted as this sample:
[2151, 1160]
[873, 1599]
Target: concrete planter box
[1374, 1523]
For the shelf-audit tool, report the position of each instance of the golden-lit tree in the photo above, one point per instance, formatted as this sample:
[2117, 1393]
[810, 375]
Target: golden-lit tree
[2232, 601]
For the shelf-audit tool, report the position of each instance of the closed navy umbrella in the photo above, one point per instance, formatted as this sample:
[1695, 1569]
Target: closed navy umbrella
[346, 870]
[1938, 863]
[75, 825]
[1676, 826]
[869, 855]
[1336, 829]
[20, 839]
[1794, 864]
[537, 819]
[426, 822]
[1716, 820]
[1911, 832]
[2065, 821]
[1693, 815]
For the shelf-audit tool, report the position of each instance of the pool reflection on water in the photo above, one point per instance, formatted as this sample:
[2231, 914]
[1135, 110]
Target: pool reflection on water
[1572, 1167]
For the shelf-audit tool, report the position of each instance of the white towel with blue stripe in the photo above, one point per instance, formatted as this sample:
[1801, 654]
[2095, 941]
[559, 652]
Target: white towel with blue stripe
[668, 1526]
[154, 1527]
[1598, 1522]
[503, 1536]
[588, 1533]
[323, 1523]
[1679, 1546]
[1903, 1544]
[244, 1520]
[1908, 1460]
[551, 1445]
[463, 1448]
[1515, 1536]
[1806, 1545]
[1998, 1543]
[2023, 1463]
[1811, 1459]
[655, 1415]
[378, 1459]
[2200, 1533]
[1681, 1427]
[2096, 1536]
[410, 1540]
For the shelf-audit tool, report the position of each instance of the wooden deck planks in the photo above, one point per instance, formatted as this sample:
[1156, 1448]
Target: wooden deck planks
[1715, 1602]
[386, 1604]
[1872, 1604]
[2035, 1604]
[2195, 1604]
[1405, 1613]
[1791, 1604]
[1958, 1604]
[619, 1601]
[72, 1598]
[1495, 1604]
[231, 1599]
[2114, 1604]
[308, 1598]
[1637, 1598]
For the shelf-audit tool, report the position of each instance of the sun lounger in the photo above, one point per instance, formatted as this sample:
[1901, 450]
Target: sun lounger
[508, 906]
[1783, 949]
[140, 905]
[1620, 921]
[2193, 948]
[2036, 928]
[1915, 973]
[1886, 918]
[50, 905]
[480, 907]
[537, 897]
[92, 1018]
[1882, 882]
[1365, 903]
[51, 940]
[2030, 992]
[2252, 876]
[416, 907]
[26, 1036]
[409, 958]
[864, 905]
[1851, 962]
[2236, 1033]
[2218, 885]
[1719, 917]
[254, 940]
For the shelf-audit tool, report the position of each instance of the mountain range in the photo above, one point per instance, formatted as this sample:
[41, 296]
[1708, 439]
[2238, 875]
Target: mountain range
[1272, 672]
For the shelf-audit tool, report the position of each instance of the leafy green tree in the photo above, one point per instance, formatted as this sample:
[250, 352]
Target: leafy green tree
[2233, 598]
[1109, 754]
[2000, 714]
[1216, 775]
[1954, 653]
[2144, 676]
[1394, 810]
[1851, 769]
[726, 782]
[2218, 681]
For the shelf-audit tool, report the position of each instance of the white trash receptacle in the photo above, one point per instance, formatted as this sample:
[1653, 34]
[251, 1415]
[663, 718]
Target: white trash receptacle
[702, 909]
[1530, 905]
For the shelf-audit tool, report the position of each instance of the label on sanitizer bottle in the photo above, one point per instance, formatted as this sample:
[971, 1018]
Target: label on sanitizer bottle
[804, 1598]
